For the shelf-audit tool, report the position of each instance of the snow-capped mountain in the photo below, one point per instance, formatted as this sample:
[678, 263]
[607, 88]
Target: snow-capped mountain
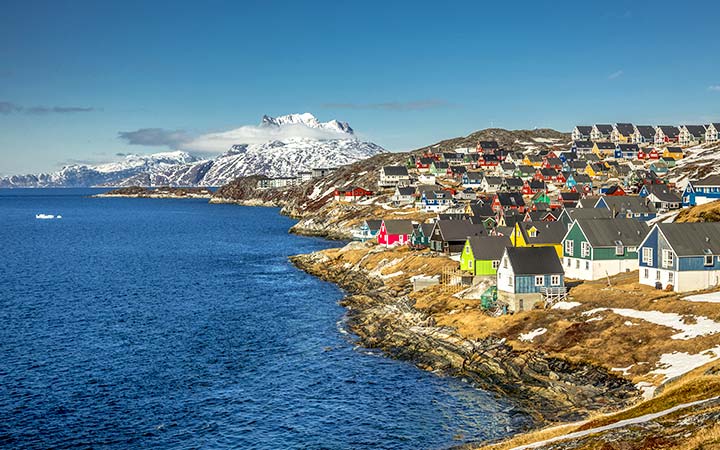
[275, 158]
[83, 175]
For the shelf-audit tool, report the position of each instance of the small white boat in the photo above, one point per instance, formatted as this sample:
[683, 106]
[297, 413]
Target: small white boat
[47, 216]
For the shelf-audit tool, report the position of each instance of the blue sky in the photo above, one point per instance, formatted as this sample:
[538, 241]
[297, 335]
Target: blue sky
[73, 74]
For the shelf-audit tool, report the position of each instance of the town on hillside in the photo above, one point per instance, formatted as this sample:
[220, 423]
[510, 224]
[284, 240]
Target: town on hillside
[522, 222]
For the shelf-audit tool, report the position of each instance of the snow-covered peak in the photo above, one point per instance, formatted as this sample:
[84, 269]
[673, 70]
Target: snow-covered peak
[307, 120]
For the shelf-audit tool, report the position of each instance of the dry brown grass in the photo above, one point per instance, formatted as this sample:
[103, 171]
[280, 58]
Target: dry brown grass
[709, 212]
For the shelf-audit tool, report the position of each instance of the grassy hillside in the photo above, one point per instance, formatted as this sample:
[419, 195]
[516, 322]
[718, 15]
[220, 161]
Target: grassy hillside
[709, 212]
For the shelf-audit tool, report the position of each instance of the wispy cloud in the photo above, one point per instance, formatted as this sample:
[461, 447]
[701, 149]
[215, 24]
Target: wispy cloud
[155, 137]
[14, 108]
[616, 74]
[714, 87]
[416, 105]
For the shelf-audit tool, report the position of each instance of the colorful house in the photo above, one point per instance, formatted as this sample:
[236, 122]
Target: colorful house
[481, 254]
[527, 275]
[691, 134]
[539, 234]
[662, 197]
[628, 206]
[601, 132]
[626, 151]
[420, 237]
[368, 230]
[643, 134]
[394, 232]
[685, 256]
[702, 191]
[604, 149]
[599, 248]
[666, 134]
[673, 152]
[351, 194]
[449, 236]
[622, 133]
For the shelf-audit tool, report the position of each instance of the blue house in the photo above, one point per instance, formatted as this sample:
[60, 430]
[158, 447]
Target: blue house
[685, 256]
[626, 151]
[367, 230]
[702, 191]
[526, 276]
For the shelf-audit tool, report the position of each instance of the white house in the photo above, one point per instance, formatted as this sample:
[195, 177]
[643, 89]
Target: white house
[712, 133]
[391, 176]
[684, 256]
[691, 134]
[581, 133]
[601, 132]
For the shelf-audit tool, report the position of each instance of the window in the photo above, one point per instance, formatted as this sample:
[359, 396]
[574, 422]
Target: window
[505, 263]
[587, 265]
[577, 264]
[569, 247]
[657, 275]
[646, 273]
[569, 262]
[510, 280]
[584, 249]
[671, 277]
[539, 280]
[667, 259]
[555, 280]
[619, 250]
[709, 260]
[495, 264]
[647, 255]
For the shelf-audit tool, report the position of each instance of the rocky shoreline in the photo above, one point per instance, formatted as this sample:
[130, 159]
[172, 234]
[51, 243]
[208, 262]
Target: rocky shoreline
[544, 388]
[160, 192]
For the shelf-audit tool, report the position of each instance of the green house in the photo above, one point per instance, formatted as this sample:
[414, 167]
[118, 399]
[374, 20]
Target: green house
[599, 248]
[541, 197]
[481, 254]
[420, 237]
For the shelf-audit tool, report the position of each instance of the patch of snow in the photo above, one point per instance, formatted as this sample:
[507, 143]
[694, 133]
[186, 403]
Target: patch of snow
[594, 319]
[627, 323]
[624, 370]
[391, 275]
[546, 140]
[565, 305]
[648, 389]
[678, 363]
[702, 326]
[529, 336]
[713, 297]
[456, 257]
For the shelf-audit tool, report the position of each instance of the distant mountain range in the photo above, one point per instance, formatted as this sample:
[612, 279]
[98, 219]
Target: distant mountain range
[285, 156]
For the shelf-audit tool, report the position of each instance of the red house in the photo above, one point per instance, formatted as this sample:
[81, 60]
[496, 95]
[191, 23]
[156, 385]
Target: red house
[615, 191]
[487, 160]
[351, 194]
[394, 232]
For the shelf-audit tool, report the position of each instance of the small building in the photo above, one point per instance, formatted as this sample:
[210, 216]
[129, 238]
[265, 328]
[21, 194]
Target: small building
[539, 234]
[643, 134]
[403, 195]
[691, 134]
[599, 248]
[702, 191]
[626, 151]
[391, 176]
[508, 201]
[527, 275]
[368, 230]
[351, 194]
[394, 232]
[439, 168]
[604, 149]
[673, 152]
[472, 179]
[666, 134]
[685, 256]
[622, 133]
[488, 147]
[420, 237]
[570, 215]
[481, 254]
[581, 133]
[661, 196]
[448, 236]
[628, 206]
[712, 133]
[601, 132]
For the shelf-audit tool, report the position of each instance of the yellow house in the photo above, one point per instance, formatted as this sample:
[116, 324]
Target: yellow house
[673, 152]
[533, 160]
[539, 234]
[622, 133]
[595, 169]
[604, 149]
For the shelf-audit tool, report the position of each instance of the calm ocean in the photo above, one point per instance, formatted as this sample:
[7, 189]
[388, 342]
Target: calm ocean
[133, 323]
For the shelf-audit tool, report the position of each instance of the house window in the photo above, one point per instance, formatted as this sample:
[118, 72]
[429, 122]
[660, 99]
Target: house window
[539, 280]
[569, 247]
[657, 275]
[555, 280]
[584, 249]
[577, 264]
[619, 250]
[505, 263]
[709, 260]
[587, 265]
[510, 280]
[646, 273]
[495, 264]
[667, 259]
[671, 277]
[647, 255]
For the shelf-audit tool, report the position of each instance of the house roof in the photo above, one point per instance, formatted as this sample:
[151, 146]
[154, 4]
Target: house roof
[510, 199]
[628, 147]
[482, 210]
[607, 232]
[674, 150]
[536, 184]
[508, 166]
[488, 247]
[453, 155]
[514, 182]
[405, 190]
[534, 260]
[624, 203]
[646, 131]
[692, 239]
[547, 232]
[583, 144]
[489, 144]
[570, 196]
[605, 145]
[588, 213]
[458, 169]
[669, 130]
[398, 226]
[554, 161]
[458, 230]
[626, 129]
[548, 172]
[373, 224]
[474, 175]
[582, 178]
[696, 130]
[440, 165]
[604, 128]
[426, 228]
[711, 180]
[584, 129]
[663, 193]
[493, 181]
[526, 169]
[395, 171]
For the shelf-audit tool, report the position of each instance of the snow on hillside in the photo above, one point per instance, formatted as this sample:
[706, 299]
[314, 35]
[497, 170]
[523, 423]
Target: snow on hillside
[295, 150]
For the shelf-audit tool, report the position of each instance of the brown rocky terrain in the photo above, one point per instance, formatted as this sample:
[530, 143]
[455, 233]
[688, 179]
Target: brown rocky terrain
[159, 192]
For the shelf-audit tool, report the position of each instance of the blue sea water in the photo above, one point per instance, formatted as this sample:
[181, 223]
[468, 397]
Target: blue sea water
[144, 323]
